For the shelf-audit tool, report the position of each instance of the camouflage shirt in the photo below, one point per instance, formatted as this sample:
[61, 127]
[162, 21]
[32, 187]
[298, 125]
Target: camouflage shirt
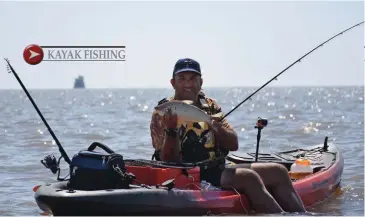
[157, 128]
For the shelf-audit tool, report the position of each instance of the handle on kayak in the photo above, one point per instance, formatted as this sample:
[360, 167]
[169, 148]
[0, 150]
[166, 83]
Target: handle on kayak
[102, 146]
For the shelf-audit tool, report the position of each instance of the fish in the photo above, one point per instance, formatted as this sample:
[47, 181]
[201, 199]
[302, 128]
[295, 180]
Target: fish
[185, 110]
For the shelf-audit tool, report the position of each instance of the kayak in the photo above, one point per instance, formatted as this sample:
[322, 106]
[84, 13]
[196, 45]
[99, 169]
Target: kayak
[171, 191]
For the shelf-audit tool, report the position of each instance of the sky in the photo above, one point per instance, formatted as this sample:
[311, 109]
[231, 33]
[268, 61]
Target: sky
[237, 43]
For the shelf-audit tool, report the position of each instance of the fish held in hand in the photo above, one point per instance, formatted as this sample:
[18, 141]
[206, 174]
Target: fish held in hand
[185, 110]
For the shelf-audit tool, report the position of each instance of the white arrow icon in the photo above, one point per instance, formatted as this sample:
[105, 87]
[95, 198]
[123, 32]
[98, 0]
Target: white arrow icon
[33, 54]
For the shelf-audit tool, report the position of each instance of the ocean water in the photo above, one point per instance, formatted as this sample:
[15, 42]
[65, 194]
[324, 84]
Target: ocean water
[119, 118]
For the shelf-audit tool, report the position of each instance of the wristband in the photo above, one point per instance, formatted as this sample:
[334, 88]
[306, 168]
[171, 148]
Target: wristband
[171, 132]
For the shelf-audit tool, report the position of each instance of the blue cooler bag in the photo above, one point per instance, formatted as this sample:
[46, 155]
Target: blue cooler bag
[92, 170]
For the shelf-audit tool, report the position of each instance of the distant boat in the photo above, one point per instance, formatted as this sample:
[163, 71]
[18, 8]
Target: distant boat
[79, 82]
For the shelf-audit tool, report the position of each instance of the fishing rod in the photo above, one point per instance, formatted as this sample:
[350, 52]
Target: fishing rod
[201, 138]
[298, 60]
[63, 153]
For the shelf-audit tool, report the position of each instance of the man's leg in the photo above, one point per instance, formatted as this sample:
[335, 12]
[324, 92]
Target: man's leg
[249, 182]
[276, 179]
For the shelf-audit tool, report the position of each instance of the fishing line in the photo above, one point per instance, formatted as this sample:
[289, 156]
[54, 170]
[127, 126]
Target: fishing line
[276, 76]
[298, 60]
[63, 153]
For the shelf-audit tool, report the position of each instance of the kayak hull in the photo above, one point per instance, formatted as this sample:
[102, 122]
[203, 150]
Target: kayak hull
[190, 199]
[137, 201]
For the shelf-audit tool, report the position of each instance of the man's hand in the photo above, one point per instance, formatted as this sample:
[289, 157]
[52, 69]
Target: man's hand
[169, 120]
[216, 125]
[170, 150]
[227, 138]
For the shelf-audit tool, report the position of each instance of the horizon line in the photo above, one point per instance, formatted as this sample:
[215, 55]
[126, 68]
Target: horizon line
[208, 87]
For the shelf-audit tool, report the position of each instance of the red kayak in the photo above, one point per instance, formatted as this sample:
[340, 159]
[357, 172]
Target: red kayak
[170, 191]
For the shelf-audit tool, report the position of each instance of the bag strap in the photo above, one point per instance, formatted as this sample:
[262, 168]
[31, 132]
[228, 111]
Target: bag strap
[102, 146]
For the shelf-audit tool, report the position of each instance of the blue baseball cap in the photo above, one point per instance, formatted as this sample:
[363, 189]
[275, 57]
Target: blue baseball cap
[186, 65]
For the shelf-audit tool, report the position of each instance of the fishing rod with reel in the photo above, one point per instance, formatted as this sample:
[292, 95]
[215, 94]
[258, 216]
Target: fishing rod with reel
[201, 138]
[49, 161]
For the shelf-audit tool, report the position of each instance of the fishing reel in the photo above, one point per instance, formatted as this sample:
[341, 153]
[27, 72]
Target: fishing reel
[261, 123]
[50, 162]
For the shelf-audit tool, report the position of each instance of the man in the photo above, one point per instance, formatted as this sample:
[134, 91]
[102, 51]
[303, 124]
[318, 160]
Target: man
[175, 140]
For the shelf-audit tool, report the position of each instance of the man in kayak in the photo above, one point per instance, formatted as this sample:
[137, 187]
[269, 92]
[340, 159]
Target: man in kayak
[175, 140]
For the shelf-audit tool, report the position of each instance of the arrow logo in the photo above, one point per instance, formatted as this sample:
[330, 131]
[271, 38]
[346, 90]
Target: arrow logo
[33, 54]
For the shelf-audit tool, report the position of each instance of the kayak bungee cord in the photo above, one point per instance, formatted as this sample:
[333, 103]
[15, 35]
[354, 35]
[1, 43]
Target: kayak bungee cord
[63, 153]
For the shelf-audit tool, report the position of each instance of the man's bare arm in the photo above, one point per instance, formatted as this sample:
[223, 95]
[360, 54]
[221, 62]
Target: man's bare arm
[226, 136]
[223, 131]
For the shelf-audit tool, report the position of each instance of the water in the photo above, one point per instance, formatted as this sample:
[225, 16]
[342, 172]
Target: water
[298, 117]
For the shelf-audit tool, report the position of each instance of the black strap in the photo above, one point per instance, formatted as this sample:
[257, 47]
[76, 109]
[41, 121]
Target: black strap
[102, 146]
[156, 155]
[162, 101]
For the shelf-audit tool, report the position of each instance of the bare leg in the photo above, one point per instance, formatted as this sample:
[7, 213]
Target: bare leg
[249, 182]
[275, 176]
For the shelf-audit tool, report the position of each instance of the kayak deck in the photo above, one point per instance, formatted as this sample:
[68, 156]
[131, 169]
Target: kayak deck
[327, 170]
[188, 197]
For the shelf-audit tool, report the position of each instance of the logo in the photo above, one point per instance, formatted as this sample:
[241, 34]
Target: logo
[33, 54]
